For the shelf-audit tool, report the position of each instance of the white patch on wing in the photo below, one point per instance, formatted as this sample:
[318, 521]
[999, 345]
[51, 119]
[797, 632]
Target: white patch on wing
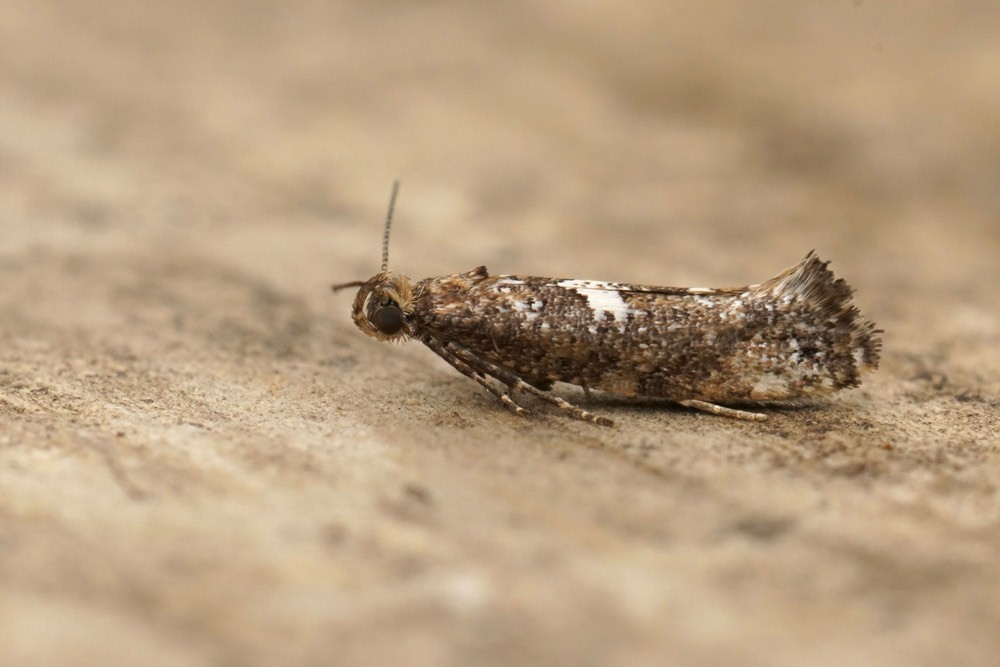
[506, 285]
[531, 310]
[601, 297]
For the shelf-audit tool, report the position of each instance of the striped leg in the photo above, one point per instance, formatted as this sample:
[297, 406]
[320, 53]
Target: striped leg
[517, 384]
[463, 368]
[714, 409]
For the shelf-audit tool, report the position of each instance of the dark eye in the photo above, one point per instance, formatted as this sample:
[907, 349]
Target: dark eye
[388, 319]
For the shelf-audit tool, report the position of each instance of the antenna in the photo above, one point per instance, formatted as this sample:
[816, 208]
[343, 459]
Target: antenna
[388, 224]
[385, 240]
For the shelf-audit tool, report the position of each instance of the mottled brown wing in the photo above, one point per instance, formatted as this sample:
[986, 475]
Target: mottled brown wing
[793, 336]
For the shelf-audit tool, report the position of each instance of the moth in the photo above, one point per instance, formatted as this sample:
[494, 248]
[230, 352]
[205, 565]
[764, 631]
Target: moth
[788, 340]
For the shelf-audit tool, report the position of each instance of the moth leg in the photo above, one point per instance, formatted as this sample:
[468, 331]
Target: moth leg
[517, 384]
[563, 404]
[466, 370]
[714, 409]
[503, 396]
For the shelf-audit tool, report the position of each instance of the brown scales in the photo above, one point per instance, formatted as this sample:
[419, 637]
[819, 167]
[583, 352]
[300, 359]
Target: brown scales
[792, 338]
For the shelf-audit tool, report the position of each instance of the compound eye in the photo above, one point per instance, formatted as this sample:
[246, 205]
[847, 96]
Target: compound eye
[388, 319]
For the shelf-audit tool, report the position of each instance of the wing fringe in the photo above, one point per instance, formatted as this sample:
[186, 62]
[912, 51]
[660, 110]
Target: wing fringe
[811, 282]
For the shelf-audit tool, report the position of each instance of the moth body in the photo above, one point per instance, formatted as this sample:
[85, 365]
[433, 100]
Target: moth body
[792, 338]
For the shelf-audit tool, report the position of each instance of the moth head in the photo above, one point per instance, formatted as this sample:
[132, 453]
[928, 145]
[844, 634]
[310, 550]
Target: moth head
[384, 303]
[383, 306]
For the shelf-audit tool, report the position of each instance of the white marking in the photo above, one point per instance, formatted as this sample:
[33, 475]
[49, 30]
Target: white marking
[589, 284]
[506, 285]
[531, 311]
[701, 290]
[601, 297]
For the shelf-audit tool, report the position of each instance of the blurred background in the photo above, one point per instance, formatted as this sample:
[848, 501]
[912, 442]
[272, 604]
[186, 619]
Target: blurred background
[861, 128]
[203, 462]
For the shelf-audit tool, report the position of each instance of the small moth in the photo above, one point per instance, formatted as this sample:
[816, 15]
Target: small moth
[790, 339]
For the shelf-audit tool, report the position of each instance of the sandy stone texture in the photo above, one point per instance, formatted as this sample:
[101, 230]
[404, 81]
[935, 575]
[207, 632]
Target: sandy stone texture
[203, 462]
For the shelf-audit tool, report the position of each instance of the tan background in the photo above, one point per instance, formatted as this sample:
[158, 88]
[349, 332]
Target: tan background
[202, 462]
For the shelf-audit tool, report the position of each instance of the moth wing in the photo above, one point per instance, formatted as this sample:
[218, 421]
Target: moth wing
[630, 288]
